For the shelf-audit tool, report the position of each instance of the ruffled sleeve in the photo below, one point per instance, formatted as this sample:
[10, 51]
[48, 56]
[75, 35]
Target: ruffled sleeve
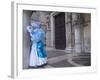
[30, 30]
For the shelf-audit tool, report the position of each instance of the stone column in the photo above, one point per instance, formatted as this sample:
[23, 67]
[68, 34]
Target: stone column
[52, 30]
[68, 32]
[77, 26]
[26, 38]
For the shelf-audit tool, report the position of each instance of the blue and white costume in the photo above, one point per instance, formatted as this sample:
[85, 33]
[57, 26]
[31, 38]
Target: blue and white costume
[38, 55]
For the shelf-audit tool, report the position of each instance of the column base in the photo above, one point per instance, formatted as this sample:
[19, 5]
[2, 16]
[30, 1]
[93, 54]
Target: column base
[49, 48]
[78, 50]
[70, 50]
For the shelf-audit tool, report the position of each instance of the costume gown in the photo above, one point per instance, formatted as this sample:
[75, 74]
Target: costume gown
[38, 55]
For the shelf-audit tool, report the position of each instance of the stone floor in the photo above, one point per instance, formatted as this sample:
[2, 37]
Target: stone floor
[62, 59]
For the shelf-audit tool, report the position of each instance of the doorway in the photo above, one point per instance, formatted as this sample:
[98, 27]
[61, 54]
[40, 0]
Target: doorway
[60, 31]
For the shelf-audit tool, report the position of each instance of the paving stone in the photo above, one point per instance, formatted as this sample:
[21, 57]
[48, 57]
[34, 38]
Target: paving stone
[83, 61]
[63, 63]
[51, 54]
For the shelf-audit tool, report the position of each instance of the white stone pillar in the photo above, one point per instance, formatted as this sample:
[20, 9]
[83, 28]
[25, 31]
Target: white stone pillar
[52, 30]
[77, 26]
[68, 32]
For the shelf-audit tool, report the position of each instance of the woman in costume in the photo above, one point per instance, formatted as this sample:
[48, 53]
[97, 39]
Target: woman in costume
[38, 55]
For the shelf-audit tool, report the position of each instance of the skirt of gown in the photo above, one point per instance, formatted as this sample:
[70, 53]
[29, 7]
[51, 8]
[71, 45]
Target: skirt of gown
[35, 60]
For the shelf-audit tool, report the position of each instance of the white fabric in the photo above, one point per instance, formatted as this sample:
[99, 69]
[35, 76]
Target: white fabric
[34, 59]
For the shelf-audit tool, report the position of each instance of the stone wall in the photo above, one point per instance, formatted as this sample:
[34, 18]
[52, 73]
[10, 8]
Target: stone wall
[87, 32]
[26, 38]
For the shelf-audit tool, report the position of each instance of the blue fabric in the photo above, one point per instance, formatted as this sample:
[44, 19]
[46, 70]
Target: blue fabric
[40, 49]
[37, 36]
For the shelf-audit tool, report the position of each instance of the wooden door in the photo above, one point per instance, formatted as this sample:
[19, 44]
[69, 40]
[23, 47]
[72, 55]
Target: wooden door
[60, 33]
